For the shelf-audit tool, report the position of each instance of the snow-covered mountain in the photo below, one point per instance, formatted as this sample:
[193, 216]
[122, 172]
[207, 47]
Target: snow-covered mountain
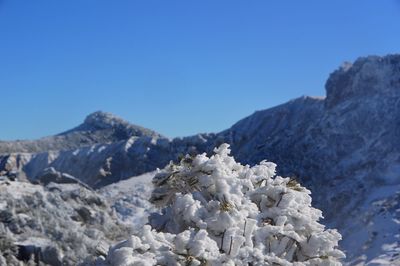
[98, 127]
[103, 150]
[344, 147]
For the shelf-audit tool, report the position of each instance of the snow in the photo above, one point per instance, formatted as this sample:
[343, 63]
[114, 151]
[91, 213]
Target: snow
[217, 211]
[130, 198]
[374, 229]
[64, 222]
[129, 143]
[101, 148]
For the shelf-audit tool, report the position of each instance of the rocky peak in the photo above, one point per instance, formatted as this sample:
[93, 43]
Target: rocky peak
[367, 76]
[104, 120]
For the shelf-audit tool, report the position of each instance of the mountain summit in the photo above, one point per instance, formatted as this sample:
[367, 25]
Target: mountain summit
[98, 127]
[103, 122]
[366, 77]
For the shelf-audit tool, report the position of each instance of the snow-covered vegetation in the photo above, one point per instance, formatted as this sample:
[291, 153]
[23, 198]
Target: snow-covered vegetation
[215, 211]
[57, 224]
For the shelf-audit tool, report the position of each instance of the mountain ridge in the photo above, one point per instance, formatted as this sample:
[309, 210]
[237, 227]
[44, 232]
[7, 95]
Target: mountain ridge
[98, 127]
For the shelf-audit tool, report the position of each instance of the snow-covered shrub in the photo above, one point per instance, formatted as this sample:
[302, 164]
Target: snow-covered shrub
[215, 211]
[57, 224]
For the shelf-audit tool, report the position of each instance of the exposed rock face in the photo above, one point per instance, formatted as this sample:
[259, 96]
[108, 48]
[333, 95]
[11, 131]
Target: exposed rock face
[368, 76]
[50, 175]
[343, 147]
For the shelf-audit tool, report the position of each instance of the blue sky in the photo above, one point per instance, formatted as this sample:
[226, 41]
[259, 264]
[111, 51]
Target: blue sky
[178, 67]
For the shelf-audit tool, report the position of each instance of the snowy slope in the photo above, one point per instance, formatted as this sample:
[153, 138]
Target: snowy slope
[377, 229]
[130, 199]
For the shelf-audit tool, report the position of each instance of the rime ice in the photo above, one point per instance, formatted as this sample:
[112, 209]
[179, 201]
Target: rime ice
[215, 211]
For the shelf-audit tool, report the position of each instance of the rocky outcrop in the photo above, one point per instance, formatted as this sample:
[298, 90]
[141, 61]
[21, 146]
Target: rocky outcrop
[50, 175]
[367, 76]
[110, 127]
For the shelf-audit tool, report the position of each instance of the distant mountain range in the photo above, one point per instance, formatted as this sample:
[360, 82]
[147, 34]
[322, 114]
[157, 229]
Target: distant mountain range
[345, 148]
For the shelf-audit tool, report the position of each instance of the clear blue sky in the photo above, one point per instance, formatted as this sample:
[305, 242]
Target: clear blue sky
[178, 67]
